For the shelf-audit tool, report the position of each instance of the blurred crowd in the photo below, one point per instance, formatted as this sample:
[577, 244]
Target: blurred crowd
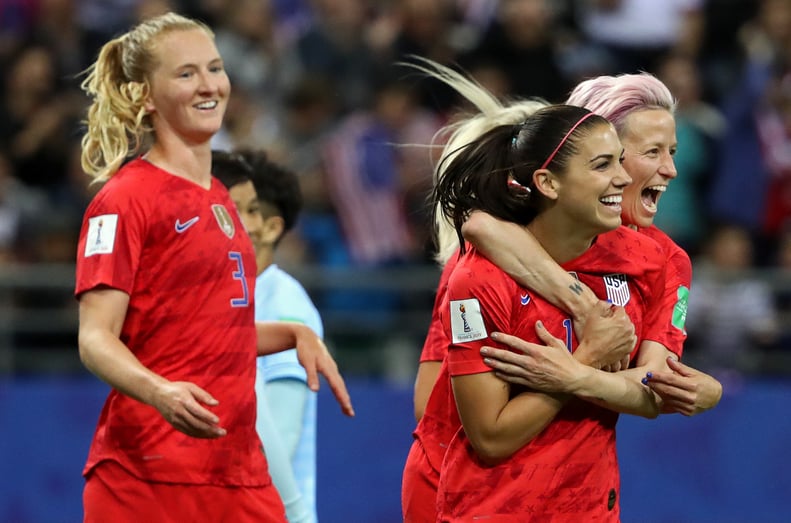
[318, 84]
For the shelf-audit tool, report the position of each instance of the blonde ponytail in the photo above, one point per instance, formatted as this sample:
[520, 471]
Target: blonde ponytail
[118, 125]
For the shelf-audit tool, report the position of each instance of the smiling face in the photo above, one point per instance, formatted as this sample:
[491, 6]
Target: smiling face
[588, 196]
[189, 87]
[649, 140]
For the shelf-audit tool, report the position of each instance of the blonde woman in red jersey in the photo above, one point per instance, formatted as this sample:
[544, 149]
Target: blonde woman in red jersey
[165, 274]
[641, 108]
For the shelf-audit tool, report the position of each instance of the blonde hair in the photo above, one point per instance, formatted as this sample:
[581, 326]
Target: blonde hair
[118, 84]
[465, 129]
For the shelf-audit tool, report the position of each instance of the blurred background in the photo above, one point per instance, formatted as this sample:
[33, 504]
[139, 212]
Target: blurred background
[315, 83]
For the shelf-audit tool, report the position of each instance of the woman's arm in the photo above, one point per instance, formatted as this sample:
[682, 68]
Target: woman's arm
[102, 314]
[685, 390]
[427, 372]
[278, 455]
[512, 248]
[287, 399]
[498, 426]
[276, 336]
[553, 368]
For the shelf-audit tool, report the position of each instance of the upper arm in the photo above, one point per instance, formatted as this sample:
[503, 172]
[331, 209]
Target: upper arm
[102, 310]
[652, 356]
[479, 399]
[427, 373]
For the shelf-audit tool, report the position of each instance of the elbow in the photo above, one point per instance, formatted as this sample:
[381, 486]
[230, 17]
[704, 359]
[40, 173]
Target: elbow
[473, 227]
[491, 451]
[84, 346]
[653, 408]
[651, 414]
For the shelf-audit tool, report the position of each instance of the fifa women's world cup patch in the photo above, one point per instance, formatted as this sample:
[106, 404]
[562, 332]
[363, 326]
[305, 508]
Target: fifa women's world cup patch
[101, 234]
[466, 321]
[617, 289]
[224, 219]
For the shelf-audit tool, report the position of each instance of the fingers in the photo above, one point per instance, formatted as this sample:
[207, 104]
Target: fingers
[513, 342]
[677, 366]
[499, 356]
[548, 338]
[338, 388]
[200, 420]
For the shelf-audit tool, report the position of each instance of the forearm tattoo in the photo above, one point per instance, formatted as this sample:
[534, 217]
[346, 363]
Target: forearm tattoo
[576, 288]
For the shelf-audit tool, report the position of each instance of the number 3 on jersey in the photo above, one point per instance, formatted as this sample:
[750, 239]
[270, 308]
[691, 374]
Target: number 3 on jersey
[238, 274]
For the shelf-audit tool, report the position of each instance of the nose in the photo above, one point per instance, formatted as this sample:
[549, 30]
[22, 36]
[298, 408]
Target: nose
[621, 178]
[206, 82]
[668, 166]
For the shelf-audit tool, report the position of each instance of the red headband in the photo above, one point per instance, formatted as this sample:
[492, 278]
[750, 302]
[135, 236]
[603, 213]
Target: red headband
[551, 156]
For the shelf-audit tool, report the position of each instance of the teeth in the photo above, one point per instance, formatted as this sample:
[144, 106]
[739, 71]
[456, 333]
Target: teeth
[612, 199]
[207, 105]
[658, 188]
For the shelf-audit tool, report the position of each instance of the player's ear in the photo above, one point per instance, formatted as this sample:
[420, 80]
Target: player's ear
[546, 183]
[273, 229]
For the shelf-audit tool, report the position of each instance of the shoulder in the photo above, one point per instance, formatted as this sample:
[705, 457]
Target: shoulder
[135, 181]
[677, 258]
[632, 245]
[473, 271]
[279, 295]
[283, 281]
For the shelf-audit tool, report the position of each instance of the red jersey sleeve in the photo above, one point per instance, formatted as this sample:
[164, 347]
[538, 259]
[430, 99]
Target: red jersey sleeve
[668, 327]
[111, 240]
[435, 347]
[479, 302]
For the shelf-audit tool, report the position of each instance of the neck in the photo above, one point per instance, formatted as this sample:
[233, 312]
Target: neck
[264, 257]
[562, 241]
[192, 163]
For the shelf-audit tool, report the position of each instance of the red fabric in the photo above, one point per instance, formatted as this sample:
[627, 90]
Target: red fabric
[419, 487]
[112, 494]
[678, 282]
[436, 344]
[187, 321]
[569, 472]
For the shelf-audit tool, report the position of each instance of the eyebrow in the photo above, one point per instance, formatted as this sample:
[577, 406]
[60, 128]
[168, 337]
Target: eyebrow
[603, 157]
[193, 65]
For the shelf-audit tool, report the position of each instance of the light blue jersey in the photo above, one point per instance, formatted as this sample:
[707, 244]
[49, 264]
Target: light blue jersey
[279, 296]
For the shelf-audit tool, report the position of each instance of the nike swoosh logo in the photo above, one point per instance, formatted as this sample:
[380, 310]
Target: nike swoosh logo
[525, 299]
[181, 227]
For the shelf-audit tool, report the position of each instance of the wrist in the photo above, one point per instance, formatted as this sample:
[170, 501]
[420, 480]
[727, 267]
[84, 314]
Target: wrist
[579, 300]
[579, 385]
[585, 357]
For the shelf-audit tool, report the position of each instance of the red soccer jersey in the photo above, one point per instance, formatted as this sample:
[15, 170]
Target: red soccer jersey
[436, 344]
[181, 254]
[669, 329]
[569, 472]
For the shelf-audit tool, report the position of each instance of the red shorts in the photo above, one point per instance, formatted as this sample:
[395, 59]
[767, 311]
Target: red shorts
[419, 487]
[112, 494]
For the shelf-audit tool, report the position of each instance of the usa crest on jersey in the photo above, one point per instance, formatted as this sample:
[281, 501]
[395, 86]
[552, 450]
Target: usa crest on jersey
[224, 219]
[617, 289]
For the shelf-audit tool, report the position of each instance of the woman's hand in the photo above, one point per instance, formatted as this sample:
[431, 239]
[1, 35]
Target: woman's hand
[685, 390]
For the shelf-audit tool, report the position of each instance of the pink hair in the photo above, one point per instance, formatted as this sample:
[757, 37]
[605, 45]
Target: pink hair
[616, 97]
